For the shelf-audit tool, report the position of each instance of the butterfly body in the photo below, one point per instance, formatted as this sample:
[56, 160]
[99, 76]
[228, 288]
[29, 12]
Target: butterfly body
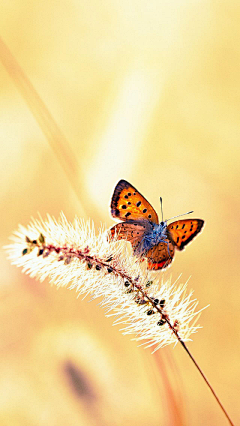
[155, 234]
[140, 225]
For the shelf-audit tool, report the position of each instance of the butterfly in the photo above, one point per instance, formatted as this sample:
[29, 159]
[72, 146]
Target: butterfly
[140, 225]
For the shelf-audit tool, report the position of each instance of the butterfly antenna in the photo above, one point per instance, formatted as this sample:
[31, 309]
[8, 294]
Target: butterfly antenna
[174, 217]
[161, 207]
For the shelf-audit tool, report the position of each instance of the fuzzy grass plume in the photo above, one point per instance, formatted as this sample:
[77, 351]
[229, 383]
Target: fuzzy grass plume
[155, 311]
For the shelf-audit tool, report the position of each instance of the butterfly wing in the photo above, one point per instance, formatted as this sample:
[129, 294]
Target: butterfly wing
[160, 256]
[127, 203]
[182, 232]
[130, 231]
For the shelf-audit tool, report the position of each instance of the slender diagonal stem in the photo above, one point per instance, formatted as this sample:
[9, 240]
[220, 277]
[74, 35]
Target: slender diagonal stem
[207, 382]
[165, 317]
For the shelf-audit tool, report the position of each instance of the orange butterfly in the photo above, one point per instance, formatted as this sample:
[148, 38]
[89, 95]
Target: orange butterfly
[140, 225]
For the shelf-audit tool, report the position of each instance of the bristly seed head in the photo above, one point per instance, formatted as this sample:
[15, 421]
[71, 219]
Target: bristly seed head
[124, 286]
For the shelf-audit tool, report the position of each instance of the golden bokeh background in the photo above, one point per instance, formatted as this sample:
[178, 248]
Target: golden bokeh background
[147, 91]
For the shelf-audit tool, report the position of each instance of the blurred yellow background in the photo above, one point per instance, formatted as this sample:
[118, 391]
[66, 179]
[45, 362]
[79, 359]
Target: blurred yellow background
[147, 91]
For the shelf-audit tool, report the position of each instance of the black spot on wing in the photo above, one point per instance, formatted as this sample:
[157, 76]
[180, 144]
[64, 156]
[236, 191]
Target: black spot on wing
[122, 184]
[199, 227]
